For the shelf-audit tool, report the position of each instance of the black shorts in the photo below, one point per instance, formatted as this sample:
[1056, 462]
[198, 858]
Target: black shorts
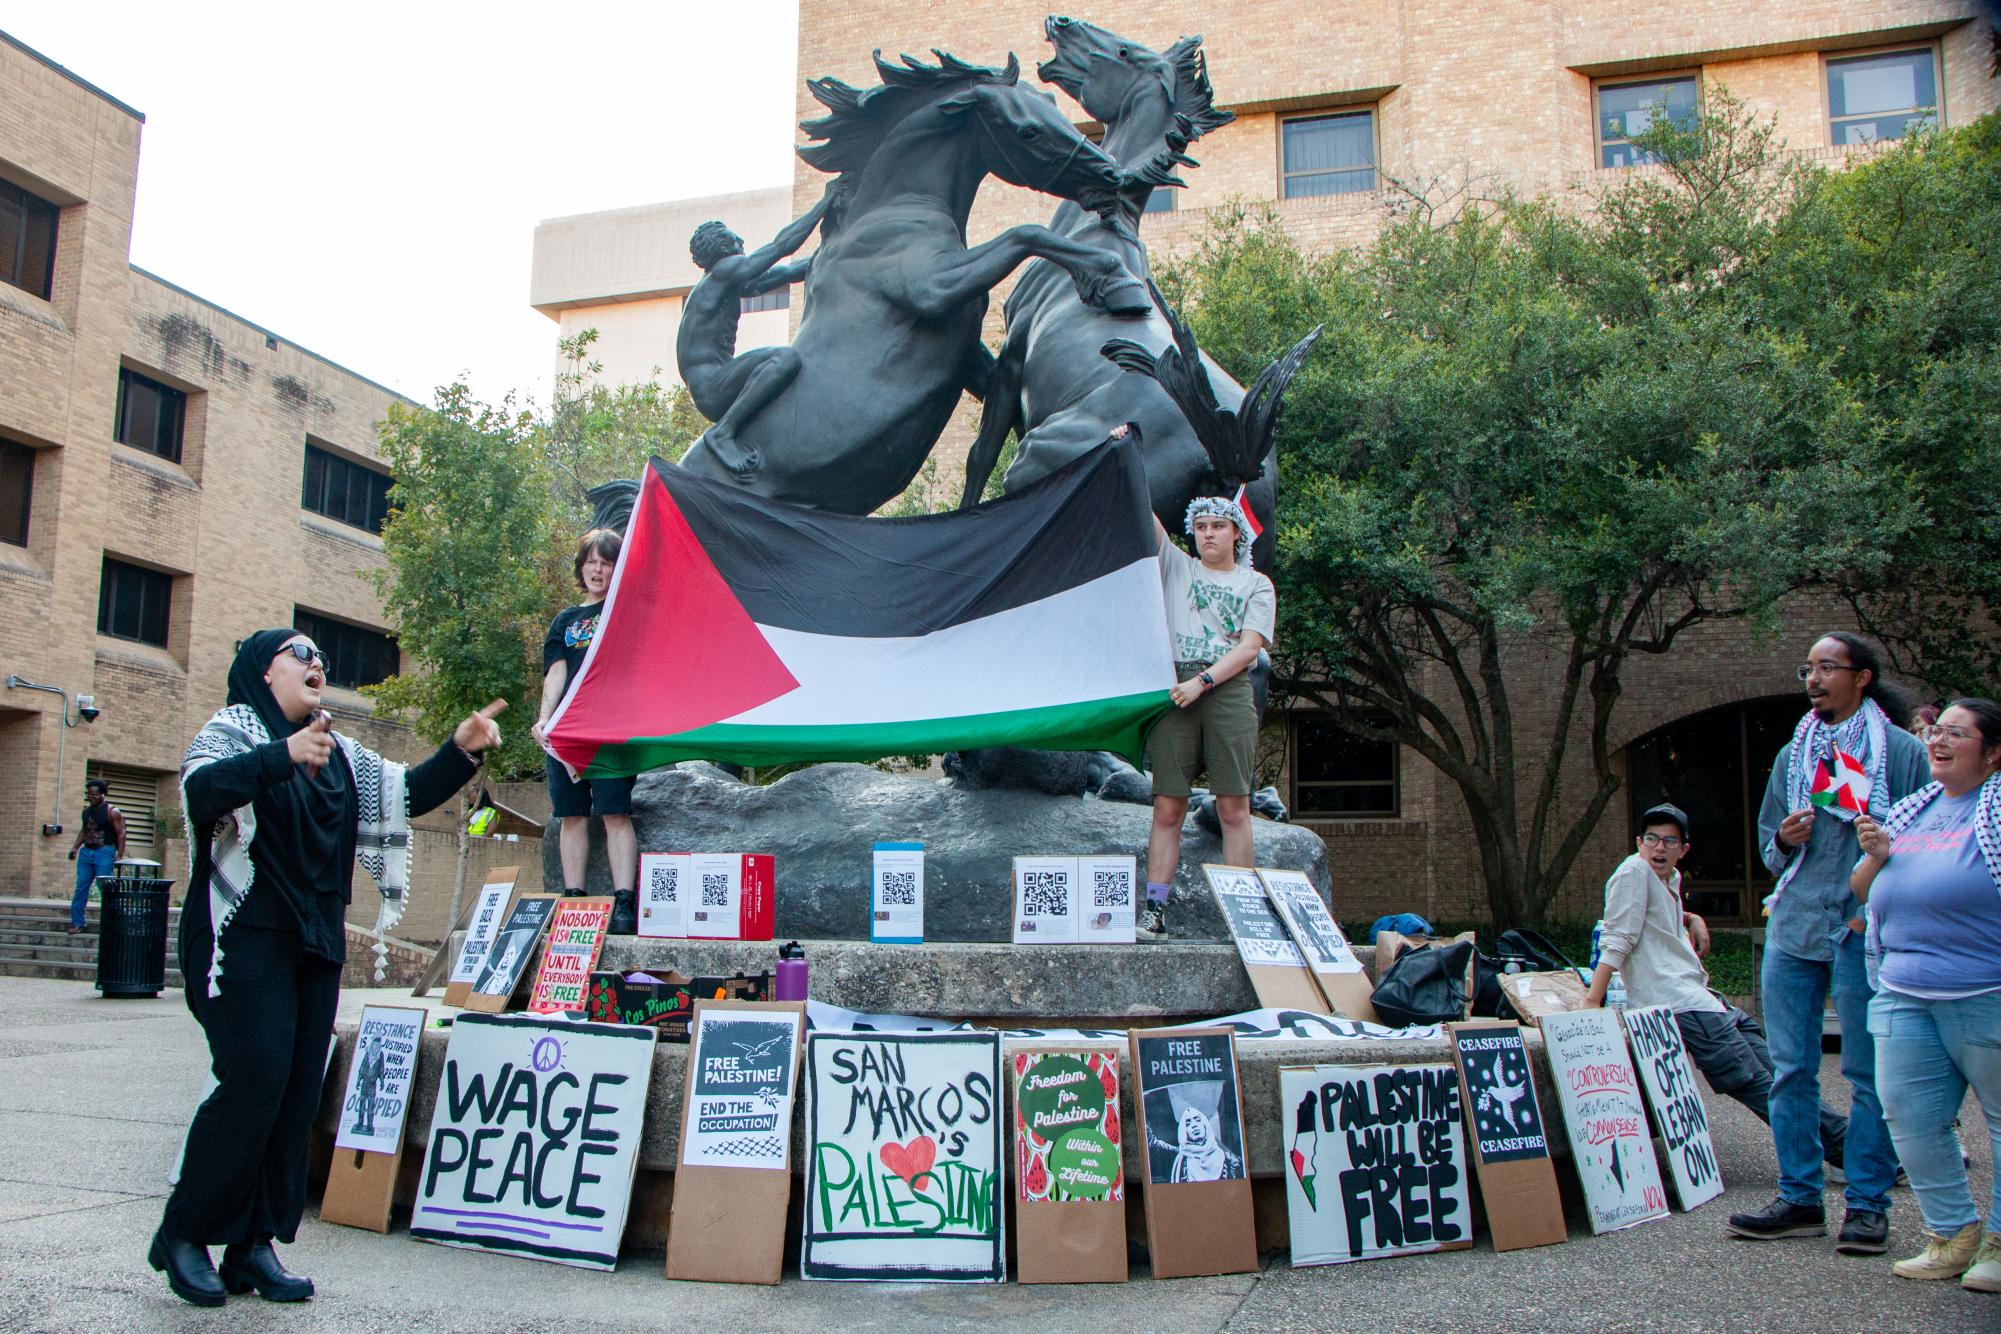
[590, 796]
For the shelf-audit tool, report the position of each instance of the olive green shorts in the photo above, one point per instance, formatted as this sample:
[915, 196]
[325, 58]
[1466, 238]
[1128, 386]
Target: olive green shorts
[1218, 731]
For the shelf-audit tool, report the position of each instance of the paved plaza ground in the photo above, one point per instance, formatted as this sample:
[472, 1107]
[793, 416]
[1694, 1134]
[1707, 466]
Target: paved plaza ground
[94, 1096]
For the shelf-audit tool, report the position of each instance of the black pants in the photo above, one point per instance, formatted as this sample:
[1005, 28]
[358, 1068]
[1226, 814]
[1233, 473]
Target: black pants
[243, 1173]
[1728, 1047]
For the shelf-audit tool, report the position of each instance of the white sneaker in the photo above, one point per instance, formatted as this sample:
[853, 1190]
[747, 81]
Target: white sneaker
[1985, 1273]
[1942, 1257]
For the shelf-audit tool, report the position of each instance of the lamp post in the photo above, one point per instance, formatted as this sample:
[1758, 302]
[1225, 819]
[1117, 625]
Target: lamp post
[86, 711]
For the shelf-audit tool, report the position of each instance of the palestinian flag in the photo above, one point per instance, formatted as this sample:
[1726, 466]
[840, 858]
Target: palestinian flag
[1306, 1147]
[748, 630]
[1841, 784]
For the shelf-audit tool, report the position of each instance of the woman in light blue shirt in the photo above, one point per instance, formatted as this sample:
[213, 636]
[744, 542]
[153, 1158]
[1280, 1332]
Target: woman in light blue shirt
[1930, 876]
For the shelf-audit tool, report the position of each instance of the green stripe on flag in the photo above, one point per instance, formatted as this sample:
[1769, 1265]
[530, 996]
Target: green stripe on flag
[1119, 725]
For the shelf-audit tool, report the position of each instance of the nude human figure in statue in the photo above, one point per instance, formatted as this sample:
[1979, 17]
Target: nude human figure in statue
[727, 388]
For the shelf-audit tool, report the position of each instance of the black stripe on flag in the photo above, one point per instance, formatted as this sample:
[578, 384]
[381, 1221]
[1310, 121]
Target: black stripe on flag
[816, 572]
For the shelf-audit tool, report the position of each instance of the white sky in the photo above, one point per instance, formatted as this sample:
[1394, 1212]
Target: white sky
[364, 178]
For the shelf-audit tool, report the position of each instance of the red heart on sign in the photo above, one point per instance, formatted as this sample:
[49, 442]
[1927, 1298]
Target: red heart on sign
[910, 1161]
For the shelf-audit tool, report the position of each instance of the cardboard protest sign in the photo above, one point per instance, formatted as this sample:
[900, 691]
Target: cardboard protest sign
[1075, 900]
[663, 895]
[1070, 1211]
[1332, 961]
[731, 895]
[368, 1139]
[734, 1178]
[896, 896]
[903, 1157]
[1375, 1162]
[512, 950]
[1669, 1080]
[489, 910]
[535, 1138]
[1198, 1193]
[1533, 995]
[576, 937]
[1603, 1118]
[1509, 1135]
[1277, 969]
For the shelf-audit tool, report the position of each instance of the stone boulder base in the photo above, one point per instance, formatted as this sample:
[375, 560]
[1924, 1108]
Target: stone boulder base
[821, 823]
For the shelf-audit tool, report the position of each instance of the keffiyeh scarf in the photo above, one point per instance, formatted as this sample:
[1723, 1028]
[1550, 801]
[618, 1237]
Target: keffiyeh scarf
[382, 839]
[1864, 735]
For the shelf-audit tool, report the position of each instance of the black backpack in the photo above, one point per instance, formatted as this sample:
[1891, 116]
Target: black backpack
[1424, 986]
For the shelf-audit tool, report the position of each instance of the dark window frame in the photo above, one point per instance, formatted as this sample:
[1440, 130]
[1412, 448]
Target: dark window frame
[1390, 777]
[778, 298]
[169, 413]
[355, 654]
[1370, 174]
[32, 216]
[134, 603]
[1830, 60]
[16, 456]
[338, 488]
[1601, 143]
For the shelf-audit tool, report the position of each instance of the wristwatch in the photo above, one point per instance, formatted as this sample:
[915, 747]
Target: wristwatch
[1208, 681]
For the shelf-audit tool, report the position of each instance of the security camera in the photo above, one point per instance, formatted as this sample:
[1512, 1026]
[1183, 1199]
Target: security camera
[86, 708]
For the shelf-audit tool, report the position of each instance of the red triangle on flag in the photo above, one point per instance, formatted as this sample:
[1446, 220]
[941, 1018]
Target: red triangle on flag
[1242, 500]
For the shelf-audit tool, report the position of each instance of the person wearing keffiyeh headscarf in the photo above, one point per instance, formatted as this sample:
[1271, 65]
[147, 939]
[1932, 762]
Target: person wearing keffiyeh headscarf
[279, 808]
[1849, 754]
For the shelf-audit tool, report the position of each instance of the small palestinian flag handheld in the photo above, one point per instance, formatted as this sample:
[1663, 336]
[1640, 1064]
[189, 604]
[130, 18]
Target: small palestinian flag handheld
[744, 629]
[1305, 1146]
[1841, 784]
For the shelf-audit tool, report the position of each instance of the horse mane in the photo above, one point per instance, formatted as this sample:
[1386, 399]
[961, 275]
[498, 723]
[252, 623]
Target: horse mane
[1193, 98]
[858, 119]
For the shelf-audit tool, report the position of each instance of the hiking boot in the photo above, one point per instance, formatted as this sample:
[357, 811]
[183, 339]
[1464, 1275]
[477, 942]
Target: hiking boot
[1985, 1273]
[1942, 1257]
[1863, 1232]
[1780, 1218]
[1152, 924]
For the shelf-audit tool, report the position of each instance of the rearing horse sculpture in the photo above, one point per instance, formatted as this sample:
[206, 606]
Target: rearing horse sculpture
[1051, 387]
[891, 331]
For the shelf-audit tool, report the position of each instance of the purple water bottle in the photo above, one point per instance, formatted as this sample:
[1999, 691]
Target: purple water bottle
[791, 983]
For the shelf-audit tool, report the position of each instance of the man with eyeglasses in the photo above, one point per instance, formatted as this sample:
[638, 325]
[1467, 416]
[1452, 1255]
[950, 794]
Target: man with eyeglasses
[1656, 945]
[1849, 755]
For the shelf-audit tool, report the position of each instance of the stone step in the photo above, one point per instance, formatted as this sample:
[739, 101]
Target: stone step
[84, 970]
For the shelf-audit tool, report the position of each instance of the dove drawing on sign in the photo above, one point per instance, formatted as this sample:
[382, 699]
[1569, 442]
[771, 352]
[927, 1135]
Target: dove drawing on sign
[760, 1050]
[1504, 1098]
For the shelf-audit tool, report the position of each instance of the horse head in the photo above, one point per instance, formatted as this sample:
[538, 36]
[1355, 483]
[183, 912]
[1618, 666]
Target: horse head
[1104, 72]
[1024, 139]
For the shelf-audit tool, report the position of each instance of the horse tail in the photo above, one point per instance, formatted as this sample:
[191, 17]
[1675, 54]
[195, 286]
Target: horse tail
[1000, 416]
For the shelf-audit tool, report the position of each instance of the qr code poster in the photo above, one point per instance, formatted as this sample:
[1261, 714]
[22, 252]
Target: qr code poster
[896, 899]
[1108, 899]
[663, 896]
[1068, 900]
[714, 888]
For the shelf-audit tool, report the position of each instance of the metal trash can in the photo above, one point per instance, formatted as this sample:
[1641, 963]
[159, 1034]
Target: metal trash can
[132, 930]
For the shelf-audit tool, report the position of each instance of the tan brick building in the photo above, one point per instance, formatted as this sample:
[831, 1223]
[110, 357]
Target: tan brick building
[172, 477]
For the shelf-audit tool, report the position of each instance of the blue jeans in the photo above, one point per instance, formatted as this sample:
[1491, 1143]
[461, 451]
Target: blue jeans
[1927, 1053]
[1795, 997]
[90, 864]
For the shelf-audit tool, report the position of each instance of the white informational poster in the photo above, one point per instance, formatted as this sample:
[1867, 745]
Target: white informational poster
[663, 895]
[1260, 937]
[1668, 1077]
[1376, 1161]
[1603, 1118]
[535, 1138]
[740, 1096]
[1045, 901]
[715, 895]
[487, 909]
[1107, 900]
[1312, 927]
[377, 1095]
[896, 897]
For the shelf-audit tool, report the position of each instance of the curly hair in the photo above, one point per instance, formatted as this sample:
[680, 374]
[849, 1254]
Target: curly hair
[713, 241]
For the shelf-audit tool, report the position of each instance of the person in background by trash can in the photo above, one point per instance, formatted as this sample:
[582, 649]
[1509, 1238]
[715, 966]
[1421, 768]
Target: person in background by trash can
[99, 846]
[280, 806]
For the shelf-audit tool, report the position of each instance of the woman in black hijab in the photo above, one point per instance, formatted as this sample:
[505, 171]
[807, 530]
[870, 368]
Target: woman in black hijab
[279, 807]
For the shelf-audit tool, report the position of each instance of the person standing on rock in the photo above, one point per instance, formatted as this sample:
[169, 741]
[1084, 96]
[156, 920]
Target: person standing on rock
[1220, 613]
[279, 808]
[571, 800]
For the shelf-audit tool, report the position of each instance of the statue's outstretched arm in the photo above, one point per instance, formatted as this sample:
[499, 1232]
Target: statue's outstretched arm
[790, 237]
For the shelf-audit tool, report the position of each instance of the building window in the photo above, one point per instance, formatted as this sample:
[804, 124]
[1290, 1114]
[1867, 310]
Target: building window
[1629, 109]
[778, 298]
[27, 240]
[1327, 155]
[17, 491]
[1160, 201]
[132, 603]
[1339, 776]
[150, 415]
[1882, 96]
[355, 657]
[344, 490]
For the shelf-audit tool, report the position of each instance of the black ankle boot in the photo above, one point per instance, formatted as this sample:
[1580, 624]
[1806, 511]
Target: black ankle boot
[254, 1264]
[188, 1269]
[624, 913]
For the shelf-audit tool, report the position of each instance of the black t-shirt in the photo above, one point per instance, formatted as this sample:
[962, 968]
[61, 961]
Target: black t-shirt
[569, 638]
[97, 828]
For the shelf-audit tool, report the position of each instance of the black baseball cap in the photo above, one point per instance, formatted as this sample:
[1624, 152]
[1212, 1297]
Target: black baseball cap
[1666, 813]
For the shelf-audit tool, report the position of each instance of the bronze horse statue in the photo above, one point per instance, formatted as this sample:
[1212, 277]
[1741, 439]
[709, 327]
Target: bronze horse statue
[1051, 387]
[895, 297]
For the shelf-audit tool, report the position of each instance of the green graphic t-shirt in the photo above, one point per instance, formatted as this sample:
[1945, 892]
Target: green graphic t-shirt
[1207, 611]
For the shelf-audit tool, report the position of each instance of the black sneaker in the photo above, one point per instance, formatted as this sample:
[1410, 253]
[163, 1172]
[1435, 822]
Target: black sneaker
[1780, 1218]
[1152, 924]
[1863, 1232]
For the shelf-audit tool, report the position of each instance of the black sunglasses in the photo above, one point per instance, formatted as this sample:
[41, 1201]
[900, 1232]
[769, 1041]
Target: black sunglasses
[307, 654]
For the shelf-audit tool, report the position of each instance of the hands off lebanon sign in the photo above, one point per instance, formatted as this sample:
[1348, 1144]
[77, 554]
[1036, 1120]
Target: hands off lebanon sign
[535, 1138]
[1669, 1079]
[903, 1157]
